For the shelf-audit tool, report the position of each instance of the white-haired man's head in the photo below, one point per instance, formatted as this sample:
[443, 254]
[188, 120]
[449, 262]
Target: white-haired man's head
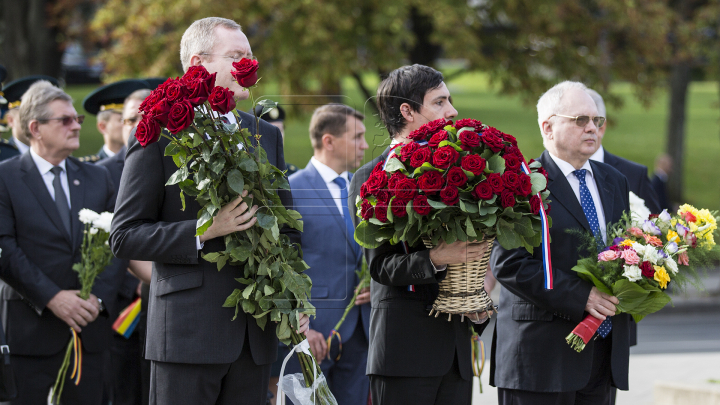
[216, 43]
[563, 137]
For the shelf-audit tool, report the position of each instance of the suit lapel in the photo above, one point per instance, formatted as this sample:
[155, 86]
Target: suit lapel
[319, 186]
[35, 183]
[607, 196]
[562, 192]
[76, 185]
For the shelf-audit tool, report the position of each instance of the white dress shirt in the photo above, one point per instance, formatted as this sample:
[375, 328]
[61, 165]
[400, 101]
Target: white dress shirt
[568, 170]
[328, 175]
[599, 155]
[22, 148]
[108, 152]
[44, 168]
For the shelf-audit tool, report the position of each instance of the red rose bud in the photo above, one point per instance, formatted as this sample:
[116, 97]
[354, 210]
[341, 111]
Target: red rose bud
[420, 156]
[199, 91]
[147, 131]
[507, 199]
[407, 150]
[421, 205]
[221, 100]
[495, 182]
[449, 195]
[181, 117]
[376, 182]
[437, 138]
[245, 72]
[160, 111]
[195, 73]
[647, 269]
[483, 191]
[512, 162]
[445, 156]
[430, 182]
[473, 163]
[366, 210]
[405, 189]
[469, 122]
[175, 91]
[535, 204]
[381, 212]
[511, 180]
[399, 207]
[469, 140]
[456, 177]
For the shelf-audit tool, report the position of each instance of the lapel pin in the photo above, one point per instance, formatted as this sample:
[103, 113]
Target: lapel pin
[76, 182]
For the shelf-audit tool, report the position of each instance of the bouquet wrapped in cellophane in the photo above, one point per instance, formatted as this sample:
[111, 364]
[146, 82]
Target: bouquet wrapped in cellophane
[645, 256]
[217, 162]
[95, 256]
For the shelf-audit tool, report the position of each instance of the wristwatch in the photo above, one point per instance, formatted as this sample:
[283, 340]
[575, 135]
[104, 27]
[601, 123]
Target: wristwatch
[102, 306]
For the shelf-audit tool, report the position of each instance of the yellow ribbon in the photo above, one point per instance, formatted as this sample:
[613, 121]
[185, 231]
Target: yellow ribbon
[111, 107]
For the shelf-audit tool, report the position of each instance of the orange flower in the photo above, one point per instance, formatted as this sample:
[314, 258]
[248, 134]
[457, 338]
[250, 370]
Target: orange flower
[653, 240]
[683, 259]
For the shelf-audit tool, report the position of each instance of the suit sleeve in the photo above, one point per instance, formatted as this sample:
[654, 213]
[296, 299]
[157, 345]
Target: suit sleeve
[647, 193]
[15, 268]
[137, 231]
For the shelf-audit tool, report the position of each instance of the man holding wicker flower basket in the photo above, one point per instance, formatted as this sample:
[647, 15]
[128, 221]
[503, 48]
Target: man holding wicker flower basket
[427, 210]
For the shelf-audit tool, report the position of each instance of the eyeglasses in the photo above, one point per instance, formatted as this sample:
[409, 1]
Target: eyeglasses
[67, 121]
[234, 58]
[131, 121]
[583, 120]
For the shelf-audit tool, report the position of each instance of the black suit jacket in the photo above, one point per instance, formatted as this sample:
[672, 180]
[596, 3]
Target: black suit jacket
[126, 292]
[529, 349]
[186, 320]
[638, 181]
[38, 254]
[404, 340]
[660, 186]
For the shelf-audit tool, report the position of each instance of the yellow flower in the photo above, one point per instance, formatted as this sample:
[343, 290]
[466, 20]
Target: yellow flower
[626, 242]
[672, 236]
[661, 276]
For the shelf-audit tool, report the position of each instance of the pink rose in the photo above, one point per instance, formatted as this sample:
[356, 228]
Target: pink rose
[608, 256]
[636, 232]
[630, 257]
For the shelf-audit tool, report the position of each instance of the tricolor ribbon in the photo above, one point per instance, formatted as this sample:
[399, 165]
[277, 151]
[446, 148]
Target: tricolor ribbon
[547, 262]
[77, 351]
[329, 341]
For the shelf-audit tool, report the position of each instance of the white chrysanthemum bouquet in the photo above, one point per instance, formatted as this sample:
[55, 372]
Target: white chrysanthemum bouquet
[95, 256]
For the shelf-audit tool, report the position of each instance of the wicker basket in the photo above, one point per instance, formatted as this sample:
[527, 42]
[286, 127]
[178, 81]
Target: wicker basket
[463, 288]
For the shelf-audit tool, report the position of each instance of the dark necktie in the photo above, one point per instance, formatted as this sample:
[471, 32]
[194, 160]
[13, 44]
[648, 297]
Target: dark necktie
[588, 206]
[346, 213]
[61, 199]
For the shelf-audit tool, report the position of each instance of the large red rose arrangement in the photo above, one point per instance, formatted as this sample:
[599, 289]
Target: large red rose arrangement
[217, 161]
[453, 182]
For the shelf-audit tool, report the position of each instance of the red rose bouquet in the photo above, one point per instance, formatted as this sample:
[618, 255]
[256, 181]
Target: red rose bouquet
[217, 161]
[460, 182]
[643, 258]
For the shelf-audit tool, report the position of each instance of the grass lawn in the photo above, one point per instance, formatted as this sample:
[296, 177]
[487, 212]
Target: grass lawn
[638, 134]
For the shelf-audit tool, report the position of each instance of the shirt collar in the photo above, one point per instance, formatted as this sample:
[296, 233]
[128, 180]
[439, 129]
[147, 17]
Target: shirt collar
[567, 168]
[108, 152]
[43, 165]
[327, 173]
[599, 155]
[22, 148]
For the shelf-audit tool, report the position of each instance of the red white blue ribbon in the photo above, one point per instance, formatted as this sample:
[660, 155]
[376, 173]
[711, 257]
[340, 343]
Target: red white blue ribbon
[547, 262]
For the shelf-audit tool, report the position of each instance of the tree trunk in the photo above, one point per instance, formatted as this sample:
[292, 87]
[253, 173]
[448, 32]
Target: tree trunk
[29, 45]
[679, 81]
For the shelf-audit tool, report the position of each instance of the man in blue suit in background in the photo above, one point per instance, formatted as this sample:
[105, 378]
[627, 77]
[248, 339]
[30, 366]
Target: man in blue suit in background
[320, 191]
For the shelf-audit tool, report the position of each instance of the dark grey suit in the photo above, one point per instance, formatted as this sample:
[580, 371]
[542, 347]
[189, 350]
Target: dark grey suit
[186, 321]
[37, 258]
[529, 350]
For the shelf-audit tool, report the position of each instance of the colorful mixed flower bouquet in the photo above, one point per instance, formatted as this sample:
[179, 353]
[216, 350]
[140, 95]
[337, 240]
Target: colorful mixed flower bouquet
[454, 182]
[217, 161]
[95, 255]
[643, 258]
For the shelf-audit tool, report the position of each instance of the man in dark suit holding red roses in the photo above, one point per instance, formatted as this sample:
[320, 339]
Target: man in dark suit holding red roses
[199, 355]
[531, 362]
[414, 358]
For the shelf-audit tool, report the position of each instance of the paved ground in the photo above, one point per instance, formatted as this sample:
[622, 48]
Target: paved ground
[680, 344]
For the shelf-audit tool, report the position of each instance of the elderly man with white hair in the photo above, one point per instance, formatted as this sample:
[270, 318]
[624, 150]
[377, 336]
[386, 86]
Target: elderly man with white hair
[41, 193]
[531, 362]
[199, 354]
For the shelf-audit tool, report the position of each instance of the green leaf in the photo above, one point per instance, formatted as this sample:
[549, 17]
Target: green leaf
[182, 200]
[635, 299]
[268, 290]
[268, 105]
[585, 273]
[485, 209]
[248, 306]
[203, 223]
[506, 235]
[232, 299]
[180, 175]
[283, 330]
[539, 182]
[470, 208]
[248, 164]
[294, 282]
[489, 220]
[496, 164]
[435, 204]
[470, 228]
[394, 164]
[524, 227]
[266, 221]
[172, 149]
[261, 320]
[366, 234]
